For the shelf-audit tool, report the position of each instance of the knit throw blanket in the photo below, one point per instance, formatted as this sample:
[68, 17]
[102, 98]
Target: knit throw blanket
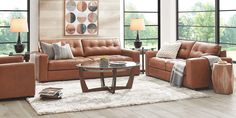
[211, 59]
[177, 73]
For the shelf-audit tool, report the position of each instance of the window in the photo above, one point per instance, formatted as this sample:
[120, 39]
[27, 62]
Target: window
[12, 9]
[228, 26]
[149, 11]
[211, 21]
[196, 20]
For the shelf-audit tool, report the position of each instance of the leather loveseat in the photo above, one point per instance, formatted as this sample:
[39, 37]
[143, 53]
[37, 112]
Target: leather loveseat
[17, 78]
[83, 50]
[197, 74]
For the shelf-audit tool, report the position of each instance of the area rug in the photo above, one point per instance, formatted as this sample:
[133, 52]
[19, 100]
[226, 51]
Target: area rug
[145, 90]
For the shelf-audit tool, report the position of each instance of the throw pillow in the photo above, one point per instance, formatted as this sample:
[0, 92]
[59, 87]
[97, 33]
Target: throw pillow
[62, 52]
[48, 49]
[169, 50]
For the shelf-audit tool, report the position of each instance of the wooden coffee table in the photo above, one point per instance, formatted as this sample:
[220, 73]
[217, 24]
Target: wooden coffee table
[95, 67]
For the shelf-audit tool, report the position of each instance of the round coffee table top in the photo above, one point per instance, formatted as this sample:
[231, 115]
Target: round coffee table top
[96, 65]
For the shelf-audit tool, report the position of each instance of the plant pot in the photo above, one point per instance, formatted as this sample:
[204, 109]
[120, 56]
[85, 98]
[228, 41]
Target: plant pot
[137, 44]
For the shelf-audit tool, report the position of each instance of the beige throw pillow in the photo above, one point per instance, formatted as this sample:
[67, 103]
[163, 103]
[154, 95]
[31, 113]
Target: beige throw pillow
[48, 49]
[169, 50]
[62, 52]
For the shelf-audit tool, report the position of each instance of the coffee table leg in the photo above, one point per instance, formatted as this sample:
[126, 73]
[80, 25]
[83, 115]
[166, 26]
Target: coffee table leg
[82, 81]
[102, 79]
[131, 79]
[113, 87]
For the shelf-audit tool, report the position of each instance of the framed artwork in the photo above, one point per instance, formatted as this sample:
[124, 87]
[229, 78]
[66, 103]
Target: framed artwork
[81, 17]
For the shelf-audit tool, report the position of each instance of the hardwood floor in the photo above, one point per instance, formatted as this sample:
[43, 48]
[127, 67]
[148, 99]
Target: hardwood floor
[216, 106]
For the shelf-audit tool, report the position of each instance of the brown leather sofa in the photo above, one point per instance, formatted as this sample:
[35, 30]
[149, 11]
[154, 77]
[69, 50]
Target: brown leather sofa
[197, 73]
[17, 78]
[84, 50]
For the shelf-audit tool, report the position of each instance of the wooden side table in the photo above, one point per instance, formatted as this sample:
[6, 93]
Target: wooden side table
[223, 78]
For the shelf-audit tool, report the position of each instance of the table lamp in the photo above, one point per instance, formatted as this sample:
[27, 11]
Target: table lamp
[19, 25]
[136, 25]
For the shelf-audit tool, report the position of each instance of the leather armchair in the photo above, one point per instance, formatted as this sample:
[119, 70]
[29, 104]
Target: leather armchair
[17, 78]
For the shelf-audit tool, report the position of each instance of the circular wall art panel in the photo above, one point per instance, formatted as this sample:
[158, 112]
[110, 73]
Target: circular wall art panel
[70, 17]
[82, 17]
[71, 5]
[93, 6]
[70, 29]
[82, 6]
[92, 28]
[92, 17]
[81, 28]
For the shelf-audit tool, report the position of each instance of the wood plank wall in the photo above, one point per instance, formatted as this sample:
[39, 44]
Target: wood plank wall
[51, 19]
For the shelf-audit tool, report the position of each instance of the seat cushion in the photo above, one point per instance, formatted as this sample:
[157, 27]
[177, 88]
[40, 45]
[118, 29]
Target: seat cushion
[170, 63]
[159, 63]
[200, 49]
[69, 64]
[111, 58]
[93, 47]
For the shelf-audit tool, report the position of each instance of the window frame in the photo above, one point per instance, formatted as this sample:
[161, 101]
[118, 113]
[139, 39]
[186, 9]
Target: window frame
[158, 12]
[28, 20]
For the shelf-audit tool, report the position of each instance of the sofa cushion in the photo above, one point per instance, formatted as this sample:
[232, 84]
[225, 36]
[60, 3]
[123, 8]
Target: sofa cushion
[62, 52]
[48, 49]
[75, 45]
[199, 49]
[94, 47]
[69, 64]
[169, 65]
[185, 49]
[159, 63]
[111, 57]
[169, 50]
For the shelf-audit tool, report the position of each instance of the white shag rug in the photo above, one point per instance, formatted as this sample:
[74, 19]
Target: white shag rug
[145, 90]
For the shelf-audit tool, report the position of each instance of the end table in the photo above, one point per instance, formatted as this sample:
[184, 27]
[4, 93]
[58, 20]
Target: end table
[26, 55]
[223, 78]
[142, 52]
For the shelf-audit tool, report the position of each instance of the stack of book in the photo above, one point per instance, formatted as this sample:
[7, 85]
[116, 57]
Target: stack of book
[51, 93]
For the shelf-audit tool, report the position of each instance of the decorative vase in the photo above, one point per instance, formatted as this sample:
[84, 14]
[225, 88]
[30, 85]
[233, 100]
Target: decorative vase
[104, 62]
[19, 47]
[137, 44]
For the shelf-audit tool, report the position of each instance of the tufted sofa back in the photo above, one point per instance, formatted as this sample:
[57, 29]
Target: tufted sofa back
[199, 49]
[75, 44]
[185, 49]
[93, 47]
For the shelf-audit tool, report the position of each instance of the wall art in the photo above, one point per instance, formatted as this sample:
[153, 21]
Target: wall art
[81, 17]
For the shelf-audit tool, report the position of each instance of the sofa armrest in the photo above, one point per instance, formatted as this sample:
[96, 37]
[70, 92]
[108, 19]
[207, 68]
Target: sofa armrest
[134, 54]
[228, 59]
[198, 73]
[148, 55]
[41, 65]
[17, 80]
[11, 59]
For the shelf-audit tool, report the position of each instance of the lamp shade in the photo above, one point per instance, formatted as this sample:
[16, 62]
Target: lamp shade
[137, 24]
[19, 25]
